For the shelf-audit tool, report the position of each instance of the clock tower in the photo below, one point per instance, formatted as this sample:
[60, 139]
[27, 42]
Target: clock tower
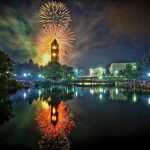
[54, 51]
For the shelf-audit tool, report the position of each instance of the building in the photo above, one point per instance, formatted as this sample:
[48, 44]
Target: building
[54, 51]
[115, 68]
[97, 72]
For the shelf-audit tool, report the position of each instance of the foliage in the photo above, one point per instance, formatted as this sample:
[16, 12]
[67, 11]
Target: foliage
[55, 71]
[28, 68]
[145, 63]
[5, 107]
[131, 71]
[5, 70]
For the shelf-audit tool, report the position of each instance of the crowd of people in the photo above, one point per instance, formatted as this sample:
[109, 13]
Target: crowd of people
[25, 83]
[145, 84]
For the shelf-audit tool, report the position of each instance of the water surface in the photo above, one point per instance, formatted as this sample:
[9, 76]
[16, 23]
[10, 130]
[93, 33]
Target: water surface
[70, 117]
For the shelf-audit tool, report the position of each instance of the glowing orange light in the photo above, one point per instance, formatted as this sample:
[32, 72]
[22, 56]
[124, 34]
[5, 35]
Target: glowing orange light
[54, 47]
[64, 37]
[54, 118]
[53, 110]
[54, 54]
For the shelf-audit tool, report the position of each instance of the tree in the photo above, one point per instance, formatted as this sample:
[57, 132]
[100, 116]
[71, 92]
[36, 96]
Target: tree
[55, 71]
[52, 71]
[144, 64]
[131, 71]
[68, 72]
[5, 107]
[6, 73]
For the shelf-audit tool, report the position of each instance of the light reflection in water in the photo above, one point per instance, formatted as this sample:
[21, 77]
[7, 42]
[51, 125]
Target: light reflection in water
[55, 124]
[39, 93]
[91, 91]
[149, 101]
[24, 95]
[100, 96]
[134, 97]
[117, 91]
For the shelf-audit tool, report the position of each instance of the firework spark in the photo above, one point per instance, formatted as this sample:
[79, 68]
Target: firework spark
[54, 13]
[64, 37]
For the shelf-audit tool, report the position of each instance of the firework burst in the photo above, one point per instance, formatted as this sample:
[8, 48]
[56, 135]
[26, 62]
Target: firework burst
[54, 13]
[64, 37]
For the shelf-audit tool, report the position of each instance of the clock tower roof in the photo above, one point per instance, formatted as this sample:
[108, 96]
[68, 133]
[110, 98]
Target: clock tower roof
[54, 42]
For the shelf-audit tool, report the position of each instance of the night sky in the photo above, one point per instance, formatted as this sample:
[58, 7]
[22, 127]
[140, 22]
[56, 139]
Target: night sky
[106, 31]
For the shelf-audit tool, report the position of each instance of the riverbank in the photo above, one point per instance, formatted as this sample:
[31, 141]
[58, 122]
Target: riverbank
[75, 83]
[134, 84]
[16, 85]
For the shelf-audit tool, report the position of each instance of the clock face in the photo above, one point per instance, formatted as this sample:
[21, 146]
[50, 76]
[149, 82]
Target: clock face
[54, 54]
[54, 47]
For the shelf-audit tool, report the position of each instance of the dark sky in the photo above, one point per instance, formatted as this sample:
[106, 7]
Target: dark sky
[106, 30]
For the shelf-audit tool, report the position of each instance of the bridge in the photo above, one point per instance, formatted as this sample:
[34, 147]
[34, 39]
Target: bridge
[90, 81]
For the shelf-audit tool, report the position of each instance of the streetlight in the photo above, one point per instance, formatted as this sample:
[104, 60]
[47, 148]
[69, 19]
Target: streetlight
[116, 72]
[149, 101]
[25, 75]
[76, 70]
[39, 75]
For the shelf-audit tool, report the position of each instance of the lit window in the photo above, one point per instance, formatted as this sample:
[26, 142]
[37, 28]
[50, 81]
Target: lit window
[54, 47]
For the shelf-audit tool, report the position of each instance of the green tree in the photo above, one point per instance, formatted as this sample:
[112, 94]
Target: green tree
[6, 73]
[55, 71]
[52, 71]
[131, 71]
[5, 107]
[68, 72]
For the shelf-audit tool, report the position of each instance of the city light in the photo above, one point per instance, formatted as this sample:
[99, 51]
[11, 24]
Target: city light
[100, 96]
[15, 75]
[117, 91]
[149, 100]
[76, 94]
[40, 76]
[148, 74]
[101, 90]
[91, 91]
[24, 95]
[25, 75]
[100, 77]
[54, 47]
[54, 54]
[40, 93]
[134, 67]
[76, 70]
[134, 97]
[116, 72]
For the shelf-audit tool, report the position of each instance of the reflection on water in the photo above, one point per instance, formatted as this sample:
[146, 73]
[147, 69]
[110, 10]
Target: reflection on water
[54, 124]
[5, 107]
[51, 114]
[54, 121]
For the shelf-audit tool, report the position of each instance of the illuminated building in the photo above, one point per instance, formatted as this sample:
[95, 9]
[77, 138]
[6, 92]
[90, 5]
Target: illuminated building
[97, 72]
[54, 51]
[115, 68]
